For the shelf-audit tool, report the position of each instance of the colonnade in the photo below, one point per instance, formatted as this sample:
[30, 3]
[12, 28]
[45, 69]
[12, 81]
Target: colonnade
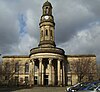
[55, 73]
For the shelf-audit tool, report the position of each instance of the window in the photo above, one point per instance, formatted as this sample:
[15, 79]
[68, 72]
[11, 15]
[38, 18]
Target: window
[26, 68]
[46, 32]
[7, 67]
[16, 80]
[21, 80]
[17, 67]
[26, 79]
[47, 10]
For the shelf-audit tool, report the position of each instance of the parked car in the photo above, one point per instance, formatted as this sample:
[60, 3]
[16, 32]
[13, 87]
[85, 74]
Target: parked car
[91, 89]
[91, 84]
[76, 87]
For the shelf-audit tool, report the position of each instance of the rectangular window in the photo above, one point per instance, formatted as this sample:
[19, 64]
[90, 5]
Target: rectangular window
[16, 80]
[46, 32]
[26, 80]
[26, 68]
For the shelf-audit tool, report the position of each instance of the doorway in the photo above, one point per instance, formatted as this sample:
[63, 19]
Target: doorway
[35, 80]
[45, 80]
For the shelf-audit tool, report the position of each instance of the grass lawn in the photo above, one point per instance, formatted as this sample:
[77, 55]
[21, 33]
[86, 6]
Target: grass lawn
[34, 89]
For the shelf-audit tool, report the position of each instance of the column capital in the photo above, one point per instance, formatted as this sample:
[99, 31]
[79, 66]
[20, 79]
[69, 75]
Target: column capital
[59, 60]
[40, 59]
[32, 60]
[50, 59]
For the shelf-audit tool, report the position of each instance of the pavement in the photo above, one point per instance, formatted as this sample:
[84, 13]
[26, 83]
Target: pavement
[34, 89]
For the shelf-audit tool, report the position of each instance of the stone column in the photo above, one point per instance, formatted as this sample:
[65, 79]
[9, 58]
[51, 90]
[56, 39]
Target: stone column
[30, 73]
[50, 71]
[42, 74]
[63, 73]
[40, 71]
[53, 77]
[59, 74]
[33, 71]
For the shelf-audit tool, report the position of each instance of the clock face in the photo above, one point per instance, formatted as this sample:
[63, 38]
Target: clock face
[46, 17]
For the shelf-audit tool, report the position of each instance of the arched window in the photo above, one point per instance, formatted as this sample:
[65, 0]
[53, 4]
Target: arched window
[26, 67]
[7, 67]
[47, 10]
[46, 32]
[17, 67]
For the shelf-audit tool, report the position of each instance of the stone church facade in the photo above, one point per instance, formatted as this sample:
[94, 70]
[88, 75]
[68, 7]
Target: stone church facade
[46, 64]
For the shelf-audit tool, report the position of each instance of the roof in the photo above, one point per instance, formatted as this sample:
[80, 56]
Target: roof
[16, 56]
[82, 55]
[47, 3]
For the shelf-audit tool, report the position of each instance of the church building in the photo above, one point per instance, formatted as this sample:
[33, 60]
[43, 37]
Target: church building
[46, 65]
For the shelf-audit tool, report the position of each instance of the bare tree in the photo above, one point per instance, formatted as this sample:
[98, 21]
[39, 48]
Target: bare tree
[98, 71]
[84, 68]
[8, 72]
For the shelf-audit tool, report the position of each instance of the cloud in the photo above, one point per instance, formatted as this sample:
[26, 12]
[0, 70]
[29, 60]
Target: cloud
[8, 28]
[24, 46]
[85, 41]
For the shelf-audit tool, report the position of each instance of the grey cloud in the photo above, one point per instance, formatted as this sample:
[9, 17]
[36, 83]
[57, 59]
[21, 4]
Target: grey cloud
[8, 29]
[85, 42]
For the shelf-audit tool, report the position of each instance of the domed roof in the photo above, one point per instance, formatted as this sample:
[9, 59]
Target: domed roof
[47, 3]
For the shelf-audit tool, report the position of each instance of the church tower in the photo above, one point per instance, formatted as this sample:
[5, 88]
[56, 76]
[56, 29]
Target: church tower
[47, 26]
[49, 63]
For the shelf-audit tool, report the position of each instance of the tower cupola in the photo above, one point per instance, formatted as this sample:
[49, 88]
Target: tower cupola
[47, 26]
[47, 8]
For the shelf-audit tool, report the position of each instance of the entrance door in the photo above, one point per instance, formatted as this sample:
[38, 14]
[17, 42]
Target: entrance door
[35, 80]
[45, 79]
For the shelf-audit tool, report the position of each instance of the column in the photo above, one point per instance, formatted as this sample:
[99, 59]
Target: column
[40, 71]
[33, 71]
[59, 74]
[42, 74]
[53, 75]
[30, 74]
[63, 73]
[50, 71]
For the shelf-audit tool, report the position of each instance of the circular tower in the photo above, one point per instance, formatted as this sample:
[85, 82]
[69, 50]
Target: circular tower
[49, 64]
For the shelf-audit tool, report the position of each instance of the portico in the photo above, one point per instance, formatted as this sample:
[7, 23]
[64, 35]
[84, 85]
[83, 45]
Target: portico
[49, 71]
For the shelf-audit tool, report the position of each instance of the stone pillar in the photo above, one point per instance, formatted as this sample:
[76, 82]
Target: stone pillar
[50, 71]
[59, 74]
[40, 71]
[63, 67]
[53, 75]
[30, 73]
[33, 71]
[42, 74]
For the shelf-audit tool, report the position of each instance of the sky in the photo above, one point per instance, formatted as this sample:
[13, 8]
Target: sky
[77, 28]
